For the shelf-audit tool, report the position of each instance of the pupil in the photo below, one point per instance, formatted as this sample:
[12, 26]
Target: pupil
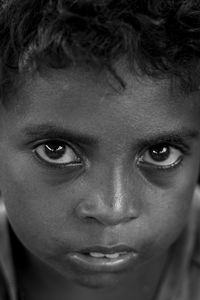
[159, 153]
[54, 151]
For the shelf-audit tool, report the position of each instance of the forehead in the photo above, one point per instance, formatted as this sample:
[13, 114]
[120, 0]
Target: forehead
[95, 101]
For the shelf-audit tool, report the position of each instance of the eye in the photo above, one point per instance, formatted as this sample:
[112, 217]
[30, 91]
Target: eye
[162, 156]
[57, 153]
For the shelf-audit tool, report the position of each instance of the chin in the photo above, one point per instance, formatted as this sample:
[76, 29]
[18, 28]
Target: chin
[99, 281]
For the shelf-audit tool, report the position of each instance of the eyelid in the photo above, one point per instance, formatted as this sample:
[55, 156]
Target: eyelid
[140, 161]
[57, 165]
[177, 143]
[161, 167]
[57, 140]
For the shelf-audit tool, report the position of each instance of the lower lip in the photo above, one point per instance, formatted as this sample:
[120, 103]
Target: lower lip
[88, 263]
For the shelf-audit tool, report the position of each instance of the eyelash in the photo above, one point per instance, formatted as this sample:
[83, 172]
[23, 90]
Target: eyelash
[180, 146]
[57, 165]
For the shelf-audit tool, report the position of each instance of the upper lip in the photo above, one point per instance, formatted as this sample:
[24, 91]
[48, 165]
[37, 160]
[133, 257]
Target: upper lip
[107, 250]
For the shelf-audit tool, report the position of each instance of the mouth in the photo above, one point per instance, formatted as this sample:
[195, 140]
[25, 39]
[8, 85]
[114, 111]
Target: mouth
[103, 259]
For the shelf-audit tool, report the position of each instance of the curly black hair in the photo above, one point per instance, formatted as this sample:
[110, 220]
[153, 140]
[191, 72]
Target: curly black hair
[158, 37]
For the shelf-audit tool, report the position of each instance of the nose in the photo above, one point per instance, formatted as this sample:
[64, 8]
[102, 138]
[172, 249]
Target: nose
[110, 200]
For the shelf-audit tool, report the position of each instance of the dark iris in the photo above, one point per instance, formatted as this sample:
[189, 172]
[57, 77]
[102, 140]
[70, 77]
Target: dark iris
[159, 153]
[55, 150]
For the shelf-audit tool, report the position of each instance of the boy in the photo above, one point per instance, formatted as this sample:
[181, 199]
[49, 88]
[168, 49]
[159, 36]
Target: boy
[99, 149]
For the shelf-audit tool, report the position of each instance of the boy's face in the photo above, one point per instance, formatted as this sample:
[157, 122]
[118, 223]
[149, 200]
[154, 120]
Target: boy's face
[84, 166]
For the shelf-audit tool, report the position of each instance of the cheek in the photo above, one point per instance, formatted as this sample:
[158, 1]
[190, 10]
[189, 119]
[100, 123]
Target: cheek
[169, 202]
[167, 215]
[39, 213]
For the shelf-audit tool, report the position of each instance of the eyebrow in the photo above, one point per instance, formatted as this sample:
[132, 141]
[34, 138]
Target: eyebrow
[51, 131]
[171, 136]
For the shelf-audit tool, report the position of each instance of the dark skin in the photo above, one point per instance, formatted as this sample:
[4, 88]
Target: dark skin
[124, 171]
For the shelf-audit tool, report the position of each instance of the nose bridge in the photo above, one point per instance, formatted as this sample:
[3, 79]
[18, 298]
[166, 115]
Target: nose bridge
[118, 196]
[111, 200]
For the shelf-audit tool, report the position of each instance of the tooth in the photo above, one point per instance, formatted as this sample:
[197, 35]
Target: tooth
[123, 253]
[96, 254]
[114, 255]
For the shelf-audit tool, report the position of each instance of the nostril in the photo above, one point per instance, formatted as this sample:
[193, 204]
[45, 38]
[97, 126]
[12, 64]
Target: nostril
[102, 214]
[108, 211]
[90, 219]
